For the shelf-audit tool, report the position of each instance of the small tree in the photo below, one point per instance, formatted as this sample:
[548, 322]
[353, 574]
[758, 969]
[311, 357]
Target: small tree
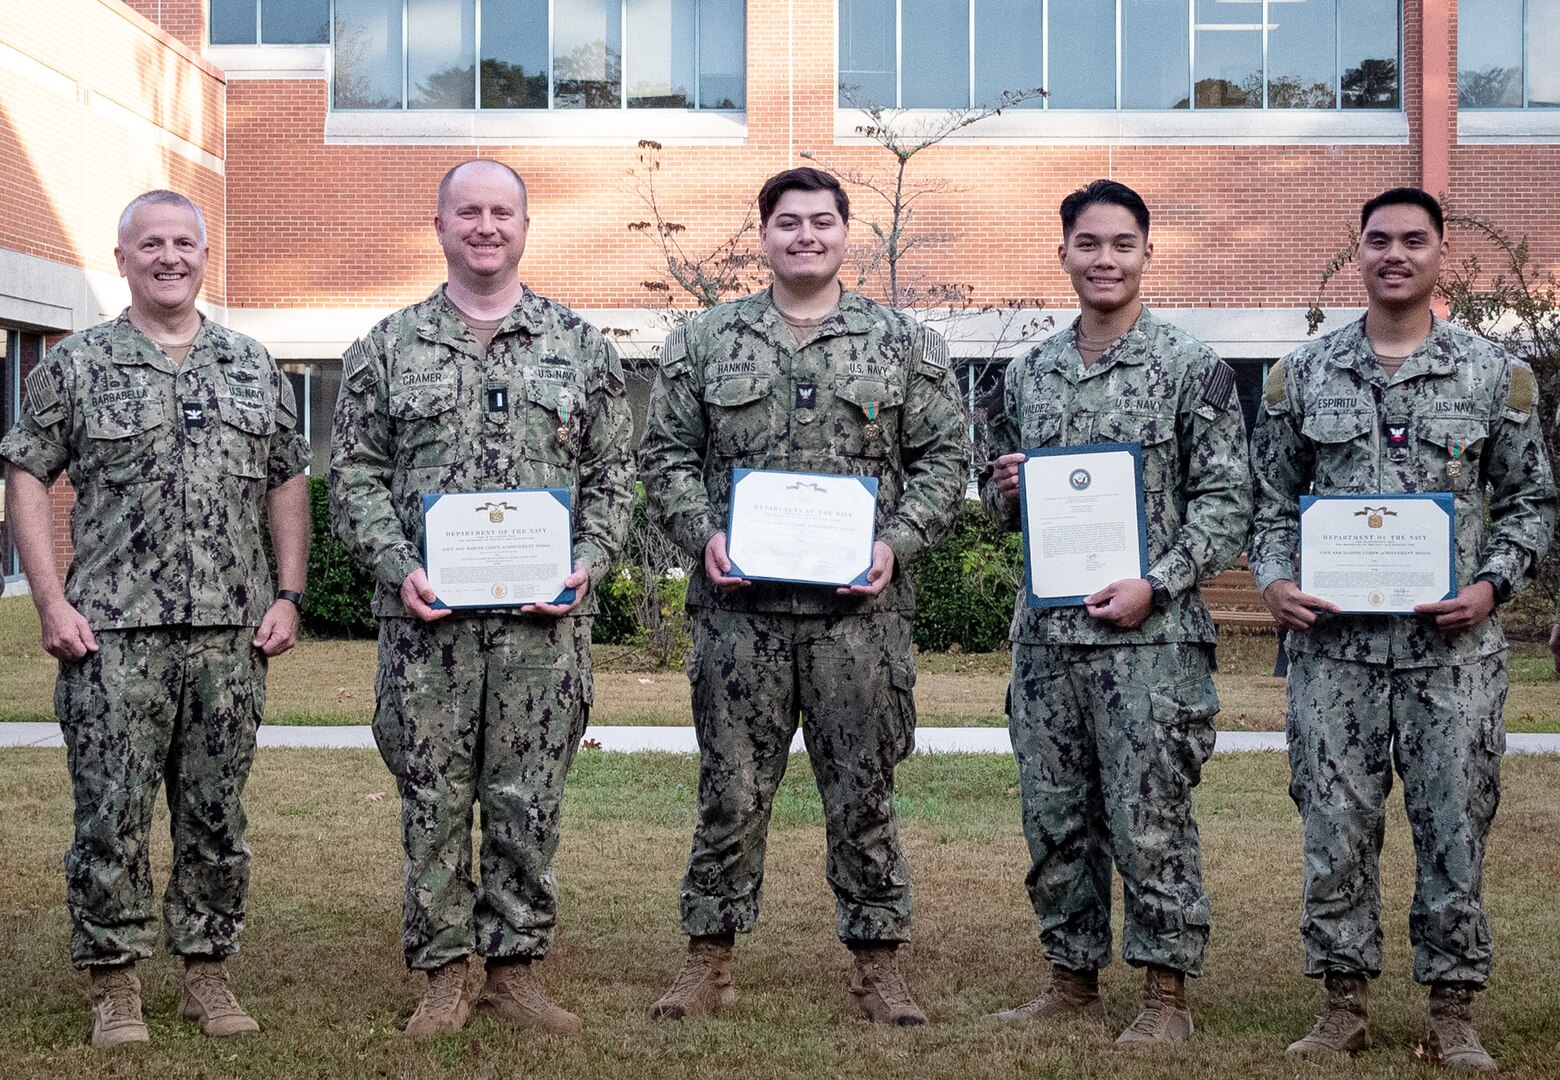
[903, 138]
[706, 276]
[896, 196]
[653, 582]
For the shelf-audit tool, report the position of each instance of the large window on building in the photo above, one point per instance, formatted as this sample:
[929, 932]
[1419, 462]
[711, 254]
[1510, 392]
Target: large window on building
[511, 54]
[1500, 49]
[270, 22]
[1124, 54]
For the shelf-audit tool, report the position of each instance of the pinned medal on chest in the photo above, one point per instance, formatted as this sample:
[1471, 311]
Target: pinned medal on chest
[872, 429]
[1455, 449]
[566, 404]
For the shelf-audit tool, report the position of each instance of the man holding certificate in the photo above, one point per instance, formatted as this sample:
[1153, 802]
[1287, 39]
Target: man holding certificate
[1112, 701]
[823, 434]
[478, 435]
[1397, 410]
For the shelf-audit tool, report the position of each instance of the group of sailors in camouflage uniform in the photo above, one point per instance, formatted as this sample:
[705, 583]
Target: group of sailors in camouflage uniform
[175, 432]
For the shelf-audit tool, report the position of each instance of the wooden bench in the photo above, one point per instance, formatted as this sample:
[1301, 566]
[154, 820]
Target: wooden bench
[1233, 599]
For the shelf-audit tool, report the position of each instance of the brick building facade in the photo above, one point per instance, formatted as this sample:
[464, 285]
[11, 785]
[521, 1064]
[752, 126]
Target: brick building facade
[313, 133]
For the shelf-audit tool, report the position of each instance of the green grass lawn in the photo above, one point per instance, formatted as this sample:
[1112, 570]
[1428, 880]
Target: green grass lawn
[332, 682]
[321, 965]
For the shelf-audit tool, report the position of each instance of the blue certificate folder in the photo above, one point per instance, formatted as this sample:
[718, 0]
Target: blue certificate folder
[561, 494]
[1445, 500]
[870, 483]
[1136, 451]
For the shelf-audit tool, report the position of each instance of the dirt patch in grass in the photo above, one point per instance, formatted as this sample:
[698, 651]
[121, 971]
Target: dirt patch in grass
[321, 963]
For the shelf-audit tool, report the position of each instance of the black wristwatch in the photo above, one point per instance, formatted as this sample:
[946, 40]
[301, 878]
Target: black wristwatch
[292, 596]
[1499, 583]
[1161, 594]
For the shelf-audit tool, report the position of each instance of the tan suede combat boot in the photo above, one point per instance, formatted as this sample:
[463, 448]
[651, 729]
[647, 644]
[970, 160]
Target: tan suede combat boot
[115, 992]
[1164, 1020]
[703, 986]
[1071, 994]
[445, 1004]
[1344, 1024]
[880, 987]
[514, 994]
[208, 997]
[1452, 1041]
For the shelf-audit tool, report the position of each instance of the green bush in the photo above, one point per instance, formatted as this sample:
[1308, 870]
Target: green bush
[339, 600]
[964, 587]
[616, 623]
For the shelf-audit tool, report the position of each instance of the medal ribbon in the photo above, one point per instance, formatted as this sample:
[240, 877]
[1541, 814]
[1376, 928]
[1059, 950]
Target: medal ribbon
[871, 410]
[1455, 448]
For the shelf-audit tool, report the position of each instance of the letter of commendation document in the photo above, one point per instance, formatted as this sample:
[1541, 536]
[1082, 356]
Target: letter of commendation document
[1377, 554]
[1082, 514]
[805, 528]
[498, 548]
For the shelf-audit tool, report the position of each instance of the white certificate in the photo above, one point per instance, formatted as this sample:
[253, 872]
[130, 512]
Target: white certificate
[808, 528]
[1378, 554]
[498, 548]
[1082, 514]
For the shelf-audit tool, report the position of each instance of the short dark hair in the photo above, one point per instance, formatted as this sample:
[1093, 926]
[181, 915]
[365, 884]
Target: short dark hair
[1108, 192]
[1406, 196]
[449, 178]
[803, 179]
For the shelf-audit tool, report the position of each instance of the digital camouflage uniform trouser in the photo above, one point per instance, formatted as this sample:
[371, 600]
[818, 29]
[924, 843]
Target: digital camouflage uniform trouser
[482, 709]
[1110, 742]
[175, 705]
[849, 677]
[1444, 730]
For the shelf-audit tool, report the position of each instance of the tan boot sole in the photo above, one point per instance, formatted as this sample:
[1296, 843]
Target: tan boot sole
[225, 1028]
[127, 1035]
[675, 1011]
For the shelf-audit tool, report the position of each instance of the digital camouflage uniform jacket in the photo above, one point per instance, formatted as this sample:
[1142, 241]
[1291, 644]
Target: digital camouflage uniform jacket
[424, 410]
[170, 463]
[1160, 387]
[869, 393]
[1323, 431]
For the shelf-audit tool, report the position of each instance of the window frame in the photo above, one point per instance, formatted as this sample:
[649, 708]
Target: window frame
[1478, 126]
[17, 341]
[257, 59]
[1119, 37]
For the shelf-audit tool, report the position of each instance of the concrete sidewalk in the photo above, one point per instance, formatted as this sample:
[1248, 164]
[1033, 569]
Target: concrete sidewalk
[680, 740]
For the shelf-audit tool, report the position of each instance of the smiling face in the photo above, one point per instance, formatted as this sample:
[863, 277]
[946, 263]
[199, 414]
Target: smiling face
[1105, 256]
[481, 226]
[805, 239]
[162, 257]
[1400, 257]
